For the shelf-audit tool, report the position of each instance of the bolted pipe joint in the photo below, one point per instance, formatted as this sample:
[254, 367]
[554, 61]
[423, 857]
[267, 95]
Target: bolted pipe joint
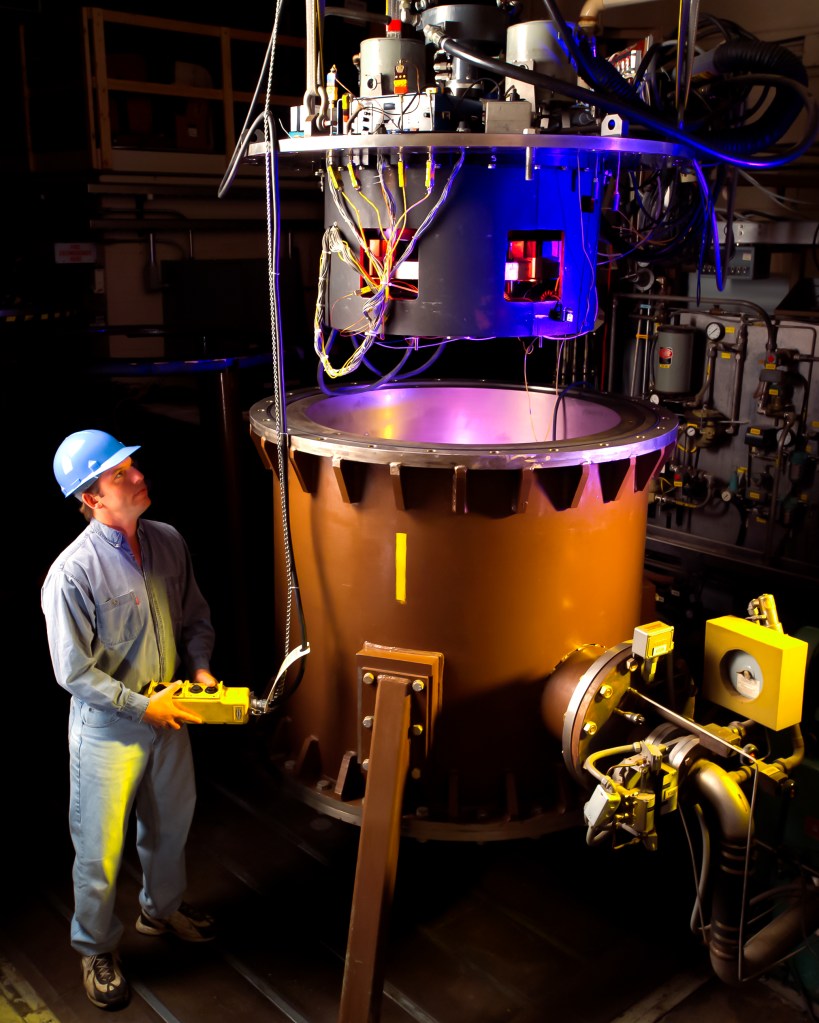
[435, 35]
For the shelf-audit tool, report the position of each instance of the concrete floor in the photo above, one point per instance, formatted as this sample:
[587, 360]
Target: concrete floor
[520, 932]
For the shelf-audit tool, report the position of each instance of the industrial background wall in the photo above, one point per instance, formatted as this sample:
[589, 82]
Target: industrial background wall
[135, 297]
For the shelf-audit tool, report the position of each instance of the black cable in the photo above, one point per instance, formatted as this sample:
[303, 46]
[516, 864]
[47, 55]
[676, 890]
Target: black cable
[245, 133]
[639, 111]
[365, 386]
[560, 397]
[465, 94]
[674, 215]
[716, 25]
[728, 29]
[478, 81]
[595, 71]
[648, 58]
[748, 112]
[681, 219]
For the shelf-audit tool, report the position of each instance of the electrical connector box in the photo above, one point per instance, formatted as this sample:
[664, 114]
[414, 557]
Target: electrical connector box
[502, 117]
[653, 640]
[757, 673]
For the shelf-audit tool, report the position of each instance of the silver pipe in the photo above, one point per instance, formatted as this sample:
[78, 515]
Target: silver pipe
[612, 330]
[740, 351]
[713, 304]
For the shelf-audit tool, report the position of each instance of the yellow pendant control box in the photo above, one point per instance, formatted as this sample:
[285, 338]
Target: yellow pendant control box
[216, 705]
[756, 672]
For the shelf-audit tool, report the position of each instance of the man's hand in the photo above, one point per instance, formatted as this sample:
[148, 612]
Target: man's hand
[162, 712]
[204, 678]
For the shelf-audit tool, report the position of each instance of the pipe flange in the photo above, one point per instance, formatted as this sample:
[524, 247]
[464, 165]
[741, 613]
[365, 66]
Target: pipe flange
[593, 704]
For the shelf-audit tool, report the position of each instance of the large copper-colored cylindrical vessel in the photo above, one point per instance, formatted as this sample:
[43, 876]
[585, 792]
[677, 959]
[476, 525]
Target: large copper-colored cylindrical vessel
[472, 535]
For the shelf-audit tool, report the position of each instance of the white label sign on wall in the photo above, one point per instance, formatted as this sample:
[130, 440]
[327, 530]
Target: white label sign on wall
[75, 252]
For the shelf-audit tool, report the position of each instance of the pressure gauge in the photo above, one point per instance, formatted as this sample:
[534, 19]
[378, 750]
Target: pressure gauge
[785, 438]
[743, 673]
[715, 331]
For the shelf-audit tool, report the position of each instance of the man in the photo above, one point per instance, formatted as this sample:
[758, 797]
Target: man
[122, 609]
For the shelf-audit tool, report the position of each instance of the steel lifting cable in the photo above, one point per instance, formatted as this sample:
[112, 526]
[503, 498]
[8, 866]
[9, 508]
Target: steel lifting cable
[280, 418]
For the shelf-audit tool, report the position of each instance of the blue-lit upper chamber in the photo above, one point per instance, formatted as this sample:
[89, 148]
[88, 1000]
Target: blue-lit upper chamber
[487, 170]
[517, 257]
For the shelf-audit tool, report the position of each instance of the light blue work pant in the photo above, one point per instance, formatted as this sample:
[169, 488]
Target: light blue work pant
[118, 765]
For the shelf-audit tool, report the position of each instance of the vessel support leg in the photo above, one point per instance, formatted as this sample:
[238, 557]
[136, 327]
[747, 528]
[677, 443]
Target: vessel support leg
[377, 852]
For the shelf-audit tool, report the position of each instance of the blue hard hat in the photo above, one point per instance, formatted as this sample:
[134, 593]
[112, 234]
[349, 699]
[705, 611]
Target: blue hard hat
[84, 456]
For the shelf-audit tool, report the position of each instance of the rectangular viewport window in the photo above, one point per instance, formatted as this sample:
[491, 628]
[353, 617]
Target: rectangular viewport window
[381, 262]
[534, 263]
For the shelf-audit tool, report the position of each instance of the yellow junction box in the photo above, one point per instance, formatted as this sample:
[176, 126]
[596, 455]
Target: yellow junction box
[652, 640]
[216, 705]
[756, 672]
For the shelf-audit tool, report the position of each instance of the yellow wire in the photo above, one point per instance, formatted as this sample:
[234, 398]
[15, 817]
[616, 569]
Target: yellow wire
[361, 236]
[377, 213]
[378, 272]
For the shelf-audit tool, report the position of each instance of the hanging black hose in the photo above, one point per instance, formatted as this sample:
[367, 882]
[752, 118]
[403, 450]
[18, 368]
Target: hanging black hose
[596, 72]
[750, 59]
[744, 56]
[638, 111]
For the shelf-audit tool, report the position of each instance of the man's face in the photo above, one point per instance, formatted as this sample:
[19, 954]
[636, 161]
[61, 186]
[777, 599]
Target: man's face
[121, 493]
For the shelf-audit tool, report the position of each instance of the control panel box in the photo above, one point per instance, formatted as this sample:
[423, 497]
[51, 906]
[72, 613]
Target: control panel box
[216, 705]
[408, 112]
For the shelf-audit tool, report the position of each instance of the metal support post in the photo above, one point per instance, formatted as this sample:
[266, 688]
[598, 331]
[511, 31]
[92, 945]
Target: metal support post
[377, 852]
